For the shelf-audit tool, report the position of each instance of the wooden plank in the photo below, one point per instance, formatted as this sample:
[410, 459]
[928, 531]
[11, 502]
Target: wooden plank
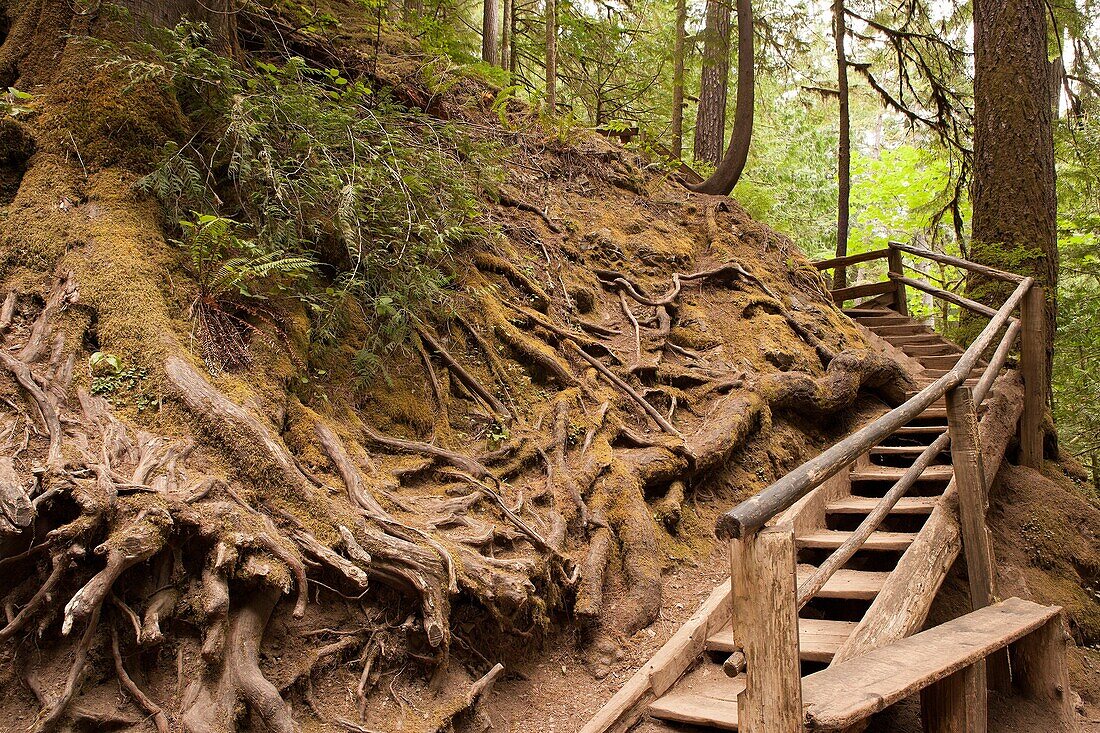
[862, 291]
[896, 268]
[891, 473]
[763, 571]
[867, 309]
[901, 329]
[1033, 366]
[656, 676]
[864, 505]
[907, 430]
[705, 697]
[916, 338]
[902, 605]
[830, 539]
[861, 585]
[897, 450]
[970, 482]
[940, 348]
[958, 262]
[818, 639]
[875, 254]
[847, 693]
[1040, 670]
[894, 320]
[956, 704]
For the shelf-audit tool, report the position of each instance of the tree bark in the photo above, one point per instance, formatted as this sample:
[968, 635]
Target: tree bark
[710, 123]
[1014, 178]
[678, 81]
[551, 56]
[490, 38]
[844, 144]
[729, 171]
[506, 35]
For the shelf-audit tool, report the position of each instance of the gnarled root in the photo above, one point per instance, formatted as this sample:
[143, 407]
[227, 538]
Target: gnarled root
[847, 373]
[212, 701]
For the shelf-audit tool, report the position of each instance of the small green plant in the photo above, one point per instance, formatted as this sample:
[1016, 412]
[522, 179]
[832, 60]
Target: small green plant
[234, 276]
[498, 433]
[12, 103]
[120, 384]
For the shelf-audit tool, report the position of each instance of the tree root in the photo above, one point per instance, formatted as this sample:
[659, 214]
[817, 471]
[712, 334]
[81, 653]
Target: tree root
[847, 373]
[212, 702]
[160, 720]
[491, 263]
[468, 380]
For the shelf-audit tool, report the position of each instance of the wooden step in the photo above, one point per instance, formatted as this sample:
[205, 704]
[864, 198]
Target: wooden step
[705, 696]
[879, 320]
[818, 639]
[847, 693]
[925, 381]
[932, 349]
[830, 539]
[867, 504]
[893, 473]
[897, 450]
[933, 373]
[865, 311]
[852, 585]
[921, 430]
[945, 362]
[919, 338]
[904, 329]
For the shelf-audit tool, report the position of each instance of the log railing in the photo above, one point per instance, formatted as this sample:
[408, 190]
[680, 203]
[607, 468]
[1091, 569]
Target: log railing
[765, 599]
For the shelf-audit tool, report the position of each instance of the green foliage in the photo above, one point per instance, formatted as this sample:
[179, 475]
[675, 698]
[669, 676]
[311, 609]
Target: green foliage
[121, 385]
[13, 103]
[315, 165]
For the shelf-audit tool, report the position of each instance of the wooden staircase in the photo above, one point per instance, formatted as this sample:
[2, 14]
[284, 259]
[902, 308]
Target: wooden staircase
[832, 615]
[870, 529]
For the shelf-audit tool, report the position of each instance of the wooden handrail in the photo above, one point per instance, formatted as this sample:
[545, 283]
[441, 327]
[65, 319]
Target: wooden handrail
[876, 254]
[751, 515]
[959, 263]
[959, 300]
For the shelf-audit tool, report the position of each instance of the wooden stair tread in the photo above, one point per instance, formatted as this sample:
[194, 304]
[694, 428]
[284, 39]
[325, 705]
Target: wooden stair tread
[859, 585]
[704, 697]
[902, 329]
[921, 430]
[898, 450]
[818, 639]
[893, 473]
[847, 693]
[830, 539]
[865, 505]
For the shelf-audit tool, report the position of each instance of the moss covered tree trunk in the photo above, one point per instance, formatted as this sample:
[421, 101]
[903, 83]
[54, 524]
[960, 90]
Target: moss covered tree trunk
[1014, 200]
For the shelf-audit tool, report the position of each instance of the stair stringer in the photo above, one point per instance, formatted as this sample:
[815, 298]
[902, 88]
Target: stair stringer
[902, 606]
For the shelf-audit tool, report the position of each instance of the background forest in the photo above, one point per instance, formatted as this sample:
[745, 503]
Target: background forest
[627, 67]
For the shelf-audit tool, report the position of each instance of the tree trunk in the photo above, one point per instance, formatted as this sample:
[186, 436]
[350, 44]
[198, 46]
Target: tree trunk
[506, 36]
[678, 81]
[1014, 179]
[844, 144]
[710, 123]
[729, 170]
[490, 39]
[551, 56]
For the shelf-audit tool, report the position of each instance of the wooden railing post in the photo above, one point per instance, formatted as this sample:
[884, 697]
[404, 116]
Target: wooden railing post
[763, 576]
[1033, 367]
[895, 266]
[970, 482]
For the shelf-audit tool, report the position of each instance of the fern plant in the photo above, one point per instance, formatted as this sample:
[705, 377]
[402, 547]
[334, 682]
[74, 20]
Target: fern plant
[234, 276]
[313, 162]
